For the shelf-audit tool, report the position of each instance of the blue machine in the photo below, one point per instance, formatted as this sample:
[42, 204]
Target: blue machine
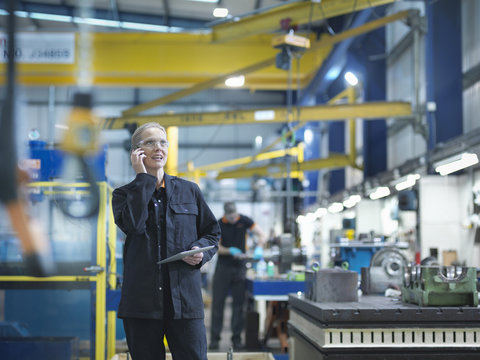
[356, 255]
[47, 164]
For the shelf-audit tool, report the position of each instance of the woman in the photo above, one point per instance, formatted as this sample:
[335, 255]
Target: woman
[162, 215]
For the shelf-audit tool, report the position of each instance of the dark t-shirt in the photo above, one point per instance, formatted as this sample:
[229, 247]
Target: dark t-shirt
[235, 234]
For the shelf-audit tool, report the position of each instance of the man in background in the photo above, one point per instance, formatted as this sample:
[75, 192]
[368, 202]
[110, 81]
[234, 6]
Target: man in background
[230, 272]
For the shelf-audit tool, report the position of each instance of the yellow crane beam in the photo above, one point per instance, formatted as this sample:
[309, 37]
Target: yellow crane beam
[173, 60]
[370, 110]
[183, 60]
[298, 12]
[280, 170]
[202, 170]
[326, 42]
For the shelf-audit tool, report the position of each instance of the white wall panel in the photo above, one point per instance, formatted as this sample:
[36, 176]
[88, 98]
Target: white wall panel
[369, 216]
[470, 33]
[444, 204]
[471, 108]
[405, 145]
[397, 30]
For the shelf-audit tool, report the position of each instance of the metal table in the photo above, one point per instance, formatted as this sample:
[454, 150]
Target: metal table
[270, 290]
[377, 327]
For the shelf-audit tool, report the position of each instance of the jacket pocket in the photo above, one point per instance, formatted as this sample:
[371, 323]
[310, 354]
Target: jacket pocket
[185, 219]
[184, 209]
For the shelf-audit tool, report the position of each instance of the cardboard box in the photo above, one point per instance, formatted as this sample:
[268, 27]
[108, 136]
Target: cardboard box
[449, 256]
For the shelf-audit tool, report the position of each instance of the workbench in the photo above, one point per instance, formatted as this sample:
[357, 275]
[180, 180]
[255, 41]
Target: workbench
[268, 290]
[377, 327]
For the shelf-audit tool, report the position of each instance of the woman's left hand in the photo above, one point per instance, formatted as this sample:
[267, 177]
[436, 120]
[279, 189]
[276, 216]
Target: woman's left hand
[194, 259]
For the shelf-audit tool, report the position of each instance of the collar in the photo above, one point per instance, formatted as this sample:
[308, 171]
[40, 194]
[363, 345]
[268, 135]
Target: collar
[225, 221]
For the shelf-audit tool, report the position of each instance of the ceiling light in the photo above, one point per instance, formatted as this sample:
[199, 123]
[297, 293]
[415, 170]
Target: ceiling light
[320, 212]
[456, 163]
[23, 14]
[235, 81]
[380, 192]
[308, 136]
[406, 182]
[258, 141]
[50, 17]
[97, 22]
[220, 12]
[335, 207]
[351, 201]
[351, 78]
[310, 217]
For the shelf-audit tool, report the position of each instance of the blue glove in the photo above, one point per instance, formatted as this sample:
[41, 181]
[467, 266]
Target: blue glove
[258, 253]
[234, 250]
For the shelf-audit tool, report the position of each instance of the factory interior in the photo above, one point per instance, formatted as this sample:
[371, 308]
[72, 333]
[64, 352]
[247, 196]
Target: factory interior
[345, 134]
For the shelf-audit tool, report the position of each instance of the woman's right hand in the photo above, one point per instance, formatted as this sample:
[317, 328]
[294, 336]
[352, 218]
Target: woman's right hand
[136, 157]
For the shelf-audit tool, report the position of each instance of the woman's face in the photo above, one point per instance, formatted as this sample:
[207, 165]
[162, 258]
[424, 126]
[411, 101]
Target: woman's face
[155, 147]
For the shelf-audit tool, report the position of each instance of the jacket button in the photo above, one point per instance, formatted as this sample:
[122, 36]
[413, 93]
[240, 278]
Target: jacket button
[160, 288]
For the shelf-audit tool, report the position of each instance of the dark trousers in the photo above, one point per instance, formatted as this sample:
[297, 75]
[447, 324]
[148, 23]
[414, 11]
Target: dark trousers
[228, 278]
[186, 338]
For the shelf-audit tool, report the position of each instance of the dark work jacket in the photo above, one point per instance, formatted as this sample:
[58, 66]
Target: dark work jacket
[189, 222]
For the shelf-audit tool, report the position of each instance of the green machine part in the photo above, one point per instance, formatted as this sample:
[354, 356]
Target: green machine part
[440, 286]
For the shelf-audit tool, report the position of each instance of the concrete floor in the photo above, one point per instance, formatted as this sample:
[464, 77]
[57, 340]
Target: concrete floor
[273, 344]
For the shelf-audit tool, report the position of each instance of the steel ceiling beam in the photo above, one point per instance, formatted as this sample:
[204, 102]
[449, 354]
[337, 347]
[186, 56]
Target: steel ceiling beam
[64, 8]
[299, 13]
[372, 110]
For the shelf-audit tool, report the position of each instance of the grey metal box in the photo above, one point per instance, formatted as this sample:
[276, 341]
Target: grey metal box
[331, 285]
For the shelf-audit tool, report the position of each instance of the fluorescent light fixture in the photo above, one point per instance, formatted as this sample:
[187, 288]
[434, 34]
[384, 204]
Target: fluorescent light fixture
[220, 12]
[335, 207]
[235, 81]
[456, 163]
[320, 212]
[380, 192]
[146, 27]
[351, 78]
[406, 182]
[97, 22]
[23, 14]
[51, 17]
[351, 201]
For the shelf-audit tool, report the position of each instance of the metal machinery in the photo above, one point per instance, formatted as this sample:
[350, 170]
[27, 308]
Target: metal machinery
[386, 270]
[378, 327]
[73, 303]
[440, 286]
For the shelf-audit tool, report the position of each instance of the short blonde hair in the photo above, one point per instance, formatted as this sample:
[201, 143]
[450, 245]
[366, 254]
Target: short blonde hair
[137, 135]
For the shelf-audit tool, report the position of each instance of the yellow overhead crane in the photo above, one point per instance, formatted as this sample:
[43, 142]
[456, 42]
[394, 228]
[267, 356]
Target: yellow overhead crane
[370, 110]
[299, 12]
[185, 59]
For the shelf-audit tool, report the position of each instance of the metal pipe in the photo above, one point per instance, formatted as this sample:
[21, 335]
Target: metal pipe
[51, 116]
